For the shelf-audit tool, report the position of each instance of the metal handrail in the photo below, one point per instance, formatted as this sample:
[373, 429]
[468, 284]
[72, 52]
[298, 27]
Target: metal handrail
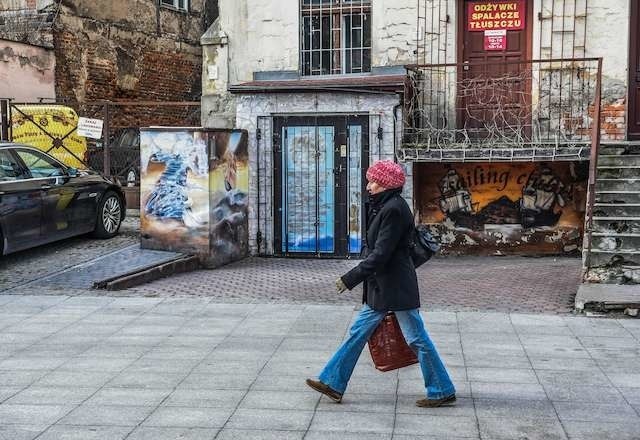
[481, 63]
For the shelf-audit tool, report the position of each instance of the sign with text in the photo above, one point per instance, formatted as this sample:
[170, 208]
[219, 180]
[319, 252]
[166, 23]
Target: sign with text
[492, 15]
[495, 40]
[91, 128]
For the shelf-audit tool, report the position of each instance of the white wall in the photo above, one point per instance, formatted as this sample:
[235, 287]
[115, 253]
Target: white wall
[608, 36]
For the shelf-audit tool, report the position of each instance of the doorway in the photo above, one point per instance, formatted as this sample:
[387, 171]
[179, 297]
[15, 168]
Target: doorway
[319, 180]
[494, 82]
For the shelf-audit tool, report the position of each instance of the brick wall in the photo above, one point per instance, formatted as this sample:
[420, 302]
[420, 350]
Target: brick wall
[614, 120]
[103, 61]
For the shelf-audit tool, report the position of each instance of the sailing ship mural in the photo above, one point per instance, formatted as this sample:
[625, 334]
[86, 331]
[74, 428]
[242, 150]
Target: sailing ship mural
[504, 207]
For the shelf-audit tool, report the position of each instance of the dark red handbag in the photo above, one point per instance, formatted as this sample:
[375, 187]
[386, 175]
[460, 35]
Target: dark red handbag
[388, 348]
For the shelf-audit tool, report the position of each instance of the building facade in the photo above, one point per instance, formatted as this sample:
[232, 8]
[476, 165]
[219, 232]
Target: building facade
[80, 51]
[489, 105]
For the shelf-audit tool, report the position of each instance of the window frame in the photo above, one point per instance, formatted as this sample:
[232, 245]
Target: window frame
[36, 152]
[175, 6]
[334, 10]
[24, 173]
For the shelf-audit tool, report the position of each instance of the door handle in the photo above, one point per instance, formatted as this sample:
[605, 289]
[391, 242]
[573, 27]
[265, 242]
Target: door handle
[45, 187]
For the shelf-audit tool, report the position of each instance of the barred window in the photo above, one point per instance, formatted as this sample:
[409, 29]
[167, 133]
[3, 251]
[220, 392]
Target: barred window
[180, 5]
[335, 36]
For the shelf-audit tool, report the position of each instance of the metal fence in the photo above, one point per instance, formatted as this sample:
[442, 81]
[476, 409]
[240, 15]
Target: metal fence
[52, 127]
[514, 110]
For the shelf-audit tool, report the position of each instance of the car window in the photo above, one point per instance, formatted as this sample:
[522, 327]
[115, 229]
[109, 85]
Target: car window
[40, 165]
[10, 170]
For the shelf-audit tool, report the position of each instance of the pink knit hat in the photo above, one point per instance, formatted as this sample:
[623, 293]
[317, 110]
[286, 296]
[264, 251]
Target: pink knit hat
[387, 174]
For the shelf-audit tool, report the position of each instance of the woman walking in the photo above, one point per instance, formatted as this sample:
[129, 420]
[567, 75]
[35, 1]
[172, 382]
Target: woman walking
[390, 284]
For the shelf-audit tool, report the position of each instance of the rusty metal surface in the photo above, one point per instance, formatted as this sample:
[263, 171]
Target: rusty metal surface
[384, 83]
[593, 168]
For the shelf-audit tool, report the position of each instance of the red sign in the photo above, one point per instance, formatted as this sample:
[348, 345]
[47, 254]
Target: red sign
[495, 40]
[498, 14]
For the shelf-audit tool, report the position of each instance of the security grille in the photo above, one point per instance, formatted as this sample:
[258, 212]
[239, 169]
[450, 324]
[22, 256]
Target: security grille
[335, 36]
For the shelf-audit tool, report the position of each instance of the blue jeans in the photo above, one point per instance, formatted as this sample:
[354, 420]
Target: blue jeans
[338, 370]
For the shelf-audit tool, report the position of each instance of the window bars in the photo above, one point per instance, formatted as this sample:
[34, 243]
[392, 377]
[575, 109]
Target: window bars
[180, 5]
[335, 37]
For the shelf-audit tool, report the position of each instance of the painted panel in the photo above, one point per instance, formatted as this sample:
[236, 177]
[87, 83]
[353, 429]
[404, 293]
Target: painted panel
[229, 189]
[355, 189]
[174, 182]
[308, 198]
[504, 207]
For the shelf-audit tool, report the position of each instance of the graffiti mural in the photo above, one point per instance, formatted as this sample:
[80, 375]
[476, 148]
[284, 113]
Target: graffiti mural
[174, 210]
[504, 206]
[229, 188]
[194, 187]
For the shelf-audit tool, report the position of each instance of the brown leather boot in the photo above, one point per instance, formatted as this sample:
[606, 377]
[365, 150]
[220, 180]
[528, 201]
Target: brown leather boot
[433, 403]
[324, 389]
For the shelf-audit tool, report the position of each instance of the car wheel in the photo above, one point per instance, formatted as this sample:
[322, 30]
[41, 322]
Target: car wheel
[109, 215]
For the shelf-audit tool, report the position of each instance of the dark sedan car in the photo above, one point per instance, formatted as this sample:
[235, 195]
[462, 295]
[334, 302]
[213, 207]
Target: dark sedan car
[42, 200]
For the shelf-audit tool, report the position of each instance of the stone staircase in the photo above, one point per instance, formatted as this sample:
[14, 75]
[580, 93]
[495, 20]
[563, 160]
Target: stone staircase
[615, 249]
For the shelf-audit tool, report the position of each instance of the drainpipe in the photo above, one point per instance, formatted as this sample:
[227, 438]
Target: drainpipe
[395, 136]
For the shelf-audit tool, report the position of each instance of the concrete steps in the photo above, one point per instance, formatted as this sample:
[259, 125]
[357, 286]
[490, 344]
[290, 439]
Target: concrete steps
[615, 236]
[617, 184]
[618, 171]
[613, 209]
[618, 160]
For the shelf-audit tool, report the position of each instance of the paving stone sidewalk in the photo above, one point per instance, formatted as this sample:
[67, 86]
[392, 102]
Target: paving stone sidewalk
[41, 262]
[505, 284]
[190, 368]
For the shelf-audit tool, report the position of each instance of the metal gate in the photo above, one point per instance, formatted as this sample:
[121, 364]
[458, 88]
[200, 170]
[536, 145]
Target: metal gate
[319, 164]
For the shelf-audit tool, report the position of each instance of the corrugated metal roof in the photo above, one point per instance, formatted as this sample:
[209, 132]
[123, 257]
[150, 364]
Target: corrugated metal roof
[364, 83]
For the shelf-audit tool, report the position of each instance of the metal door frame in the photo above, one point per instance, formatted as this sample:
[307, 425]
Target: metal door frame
[340, 122]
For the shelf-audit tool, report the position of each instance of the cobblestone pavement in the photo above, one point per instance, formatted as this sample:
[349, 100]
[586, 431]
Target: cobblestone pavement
[33, 264]
[94, 368]
[507, 284]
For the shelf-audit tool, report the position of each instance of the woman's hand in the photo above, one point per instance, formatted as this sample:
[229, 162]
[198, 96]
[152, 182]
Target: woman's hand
[340, 285]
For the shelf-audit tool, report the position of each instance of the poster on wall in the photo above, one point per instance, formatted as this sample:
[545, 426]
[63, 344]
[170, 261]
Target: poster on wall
[504, 204]
[498, 14]
[495, 40]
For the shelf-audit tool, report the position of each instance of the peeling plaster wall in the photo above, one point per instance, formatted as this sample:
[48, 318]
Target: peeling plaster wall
[117, 50]
[393, 32]
[250, 107]
[608, 37]
[27, 73]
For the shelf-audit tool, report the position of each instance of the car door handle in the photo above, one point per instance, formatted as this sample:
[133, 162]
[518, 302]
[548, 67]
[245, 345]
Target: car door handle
[45, 187]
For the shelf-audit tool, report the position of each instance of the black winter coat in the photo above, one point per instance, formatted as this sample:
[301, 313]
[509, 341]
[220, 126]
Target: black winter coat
[390, 281]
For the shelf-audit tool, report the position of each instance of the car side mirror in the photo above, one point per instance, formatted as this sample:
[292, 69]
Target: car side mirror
[72, 172]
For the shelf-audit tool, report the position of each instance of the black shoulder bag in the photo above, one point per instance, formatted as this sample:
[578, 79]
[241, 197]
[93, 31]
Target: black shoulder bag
[422, 245]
